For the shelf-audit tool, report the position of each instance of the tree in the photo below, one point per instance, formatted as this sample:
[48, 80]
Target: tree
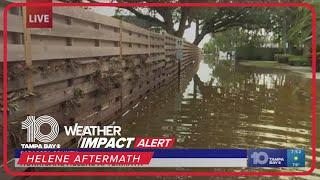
[235, 37]
[207, 20]
[301, 28]
[293, 25]
[227, 18]
[175, 20]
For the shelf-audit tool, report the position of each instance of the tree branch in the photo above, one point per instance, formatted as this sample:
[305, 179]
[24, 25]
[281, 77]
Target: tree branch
[144, 16]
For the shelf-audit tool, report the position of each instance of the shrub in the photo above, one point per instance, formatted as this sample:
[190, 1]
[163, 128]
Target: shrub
[254, 53]
[282, 58]
[298, 60]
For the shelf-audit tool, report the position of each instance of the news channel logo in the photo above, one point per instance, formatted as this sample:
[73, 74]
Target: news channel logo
[276, 158]
[33, 125]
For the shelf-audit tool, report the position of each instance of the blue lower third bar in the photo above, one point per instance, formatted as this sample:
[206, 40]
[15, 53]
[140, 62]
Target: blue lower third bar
[199, 158]
[175, 157]
[204, 157]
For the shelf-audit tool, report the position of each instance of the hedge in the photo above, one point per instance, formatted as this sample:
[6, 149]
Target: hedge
[282, 58]
[292, 60]
[253, 53]
[299, 61]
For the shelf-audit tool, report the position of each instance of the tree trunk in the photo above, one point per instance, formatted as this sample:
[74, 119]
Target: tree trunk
[199, 38]
[290, 47]
[182, 24]
[169, 28]
[197, 27]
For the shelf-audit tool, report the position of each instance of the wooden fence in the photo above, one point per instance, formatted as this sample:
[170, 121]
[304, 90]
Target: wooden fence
[86, 69]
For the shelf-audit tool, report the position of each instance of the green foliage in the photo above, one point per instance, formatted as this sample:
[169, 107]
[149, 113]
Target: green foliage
[299, 60]
[293, 60]
[252, 53]
[227, 63]
[175, 20]
[215, 20]
[234, 38]
[13, 107]
[294, 24]
[210, 47]
[281, 58]
[78, 93]
[301, 28]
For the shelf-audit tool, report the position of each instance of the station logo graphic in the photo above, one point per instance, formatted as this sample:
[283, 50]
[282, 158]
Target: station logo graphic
[267, 157]
[33, 126]
[260, 158]
[276, 158]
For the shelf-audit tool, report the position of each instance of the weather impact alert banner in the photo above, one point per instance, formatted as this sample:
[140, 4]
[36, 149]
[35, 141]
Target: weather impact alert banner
[104, 146]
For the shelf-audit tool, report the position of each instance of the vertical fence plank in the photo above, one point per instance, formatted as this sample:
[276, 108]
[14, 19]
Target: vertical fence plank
[149, 42]
[28, 61]
[121, 60]
[120, 38]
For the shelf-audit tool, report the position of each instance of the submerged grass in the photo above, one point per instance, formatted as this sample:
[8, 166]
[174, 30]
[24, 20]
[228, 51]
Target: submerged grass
[262, 64]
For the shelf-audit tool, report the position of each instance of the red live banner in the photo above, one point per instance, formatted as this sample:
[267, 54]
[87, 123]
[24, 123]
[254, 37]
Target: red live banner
[39, 17]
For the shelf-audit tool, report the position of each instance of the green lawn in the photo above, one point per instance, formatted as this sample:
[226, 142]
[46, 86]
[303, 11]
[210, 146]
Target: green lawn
[265, 64]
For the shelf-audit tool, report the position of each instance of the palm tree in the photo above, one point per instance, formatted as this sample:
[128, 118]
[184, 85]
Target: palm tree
[300, 32]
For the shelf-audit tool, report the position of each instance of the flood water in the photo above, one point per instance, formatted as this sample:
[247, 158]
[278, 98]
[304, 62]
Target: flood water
[219, 105]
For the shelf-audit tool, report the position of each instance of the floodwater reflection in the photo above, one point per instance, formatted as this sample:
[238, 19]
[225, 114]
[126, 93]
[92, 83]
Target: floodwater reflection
[227, 107]
[224, 107]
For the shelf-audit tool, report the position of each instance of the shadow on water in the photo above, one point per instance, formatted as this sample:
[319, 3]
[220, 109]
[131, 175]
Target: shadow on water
[219, 105]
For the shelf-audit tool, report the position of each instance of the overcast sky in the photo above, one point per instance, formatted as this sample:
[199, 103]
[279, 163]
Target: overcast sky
[189, 34]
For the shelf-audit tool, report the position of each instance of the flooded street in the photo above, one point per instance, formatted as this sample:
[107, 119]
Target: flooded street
[224, 106]
[227, 106]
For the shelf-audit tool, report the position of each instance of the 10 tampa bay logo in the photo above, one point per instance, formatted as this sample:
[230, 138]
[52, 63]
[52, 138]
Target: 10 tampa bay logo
[33, 126]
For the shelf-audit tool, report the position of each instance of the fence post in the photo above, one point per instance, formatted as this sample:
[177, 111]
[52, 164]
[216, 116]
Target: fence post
[149, 42]
[120, 38]
[28, 61]
[121, 58]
